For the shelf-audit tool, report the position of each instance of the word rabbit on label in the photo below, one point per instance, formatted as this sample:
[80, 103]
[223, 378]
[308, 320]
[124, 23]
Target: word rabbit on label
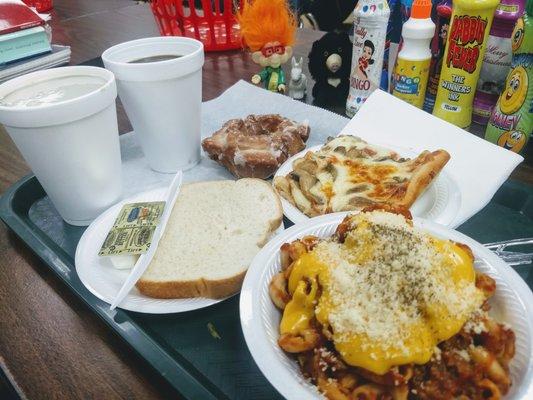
[466, 30]
[469, 30]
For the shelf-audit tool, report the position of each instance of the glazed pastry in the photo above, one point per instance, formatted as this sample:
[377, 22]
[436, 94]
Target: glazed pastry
[255, 147]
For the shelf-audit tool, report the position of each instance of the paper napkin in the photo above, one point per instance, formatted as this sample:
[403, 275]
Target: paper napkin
[478, 167]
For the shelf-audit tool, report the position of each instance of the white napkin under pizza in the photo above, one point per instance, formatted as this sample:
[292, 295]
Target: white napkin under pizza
[478, 167]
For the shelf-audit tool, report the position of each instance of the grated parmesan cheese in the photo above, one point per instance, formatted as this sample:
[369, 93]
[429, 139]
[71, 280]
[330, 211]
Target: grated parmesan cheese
[384, 278]
[463, 354]
[476, 322]
[437, 353]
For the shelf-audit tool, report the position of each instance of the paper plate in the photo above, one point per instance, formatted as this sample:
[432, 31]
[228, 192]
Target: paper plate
[104, 281]
[512, 303]
[440, 202]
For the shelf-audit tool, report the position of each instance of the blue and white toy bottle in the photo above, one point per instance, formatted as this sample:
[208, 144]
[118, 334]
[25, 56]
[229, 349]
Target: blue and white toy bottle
[370, 30]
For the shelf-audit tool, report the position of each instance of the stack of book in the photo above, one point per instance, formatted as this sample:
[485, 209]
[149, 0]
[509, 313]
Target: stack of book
[24, 42]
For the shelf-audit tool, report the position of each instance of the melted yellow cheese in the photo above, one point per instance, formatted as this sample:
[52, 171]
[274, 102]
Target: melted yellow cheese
[403, 341]
[359, 177]
[301, 309]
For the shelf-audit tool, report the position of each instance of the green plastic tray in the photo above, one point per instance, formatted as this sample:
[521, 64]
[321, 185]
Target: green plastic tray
[180, 346]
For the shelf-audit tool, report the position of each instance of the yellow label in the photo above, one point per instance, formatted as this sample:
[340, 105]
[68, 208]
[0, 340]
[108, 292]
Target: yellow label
[461, 64]
[410, 80]
[133, 229]
[510, 8]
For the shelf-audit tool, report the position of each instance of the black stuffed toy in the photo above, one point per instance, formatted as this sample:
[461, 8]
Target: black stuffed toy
[329, 64]
[325, 15]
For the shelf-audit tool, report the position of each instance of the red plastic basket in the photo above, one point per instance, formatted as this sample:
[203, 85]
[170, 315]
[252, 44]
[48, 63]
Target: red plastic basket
[214, 24]
[40, 5]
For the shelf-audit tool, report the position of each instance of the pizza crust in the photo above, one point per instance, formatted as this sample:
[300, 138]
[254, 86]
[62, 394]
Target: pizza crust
[424, 175]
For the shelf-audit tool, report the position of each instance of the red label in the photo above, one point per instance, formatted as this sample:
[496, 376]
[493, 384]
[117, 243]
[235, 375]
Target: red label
[466, 37]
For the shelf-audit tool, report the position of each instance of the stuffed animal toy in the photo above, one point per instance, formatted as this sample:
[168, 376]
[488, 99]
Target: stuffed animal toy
[298, 82]
[329, 64]
[325, 15]
[268, 29]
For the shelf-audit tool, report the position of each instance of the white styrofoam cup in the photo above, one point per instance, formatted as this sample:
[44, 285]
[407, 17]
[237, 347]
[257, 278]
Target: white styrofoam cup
[72, 146]
[162, 99]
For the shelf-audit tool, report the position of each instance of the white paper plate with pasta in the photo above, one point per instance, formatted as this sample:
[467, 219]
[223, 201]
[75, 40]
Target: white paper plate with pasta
[512, 303]
[440, 202]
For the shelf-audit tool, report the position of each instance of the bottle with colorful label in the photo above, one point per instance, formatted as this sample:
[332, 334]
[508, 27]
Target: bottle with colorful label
[370, 31]
[385, 71]
[411, 72]
[465, 48]
[497, 60]
[405, 10]
[511, 121]
[404, 14]
[438, 45]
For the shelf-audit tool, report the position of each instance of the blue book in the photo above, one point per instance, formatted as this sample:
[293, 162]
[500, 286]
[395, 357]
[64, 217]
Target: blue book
[22, 44]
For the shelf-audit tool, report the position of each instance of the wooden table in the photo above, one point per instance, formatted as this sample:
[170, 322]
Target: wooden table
[51, 345]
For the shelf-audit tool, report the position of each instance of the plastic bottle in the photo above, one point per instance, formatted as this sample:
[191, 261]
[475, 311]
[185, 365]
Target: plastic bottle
[511, 121]
[390, 27]
[497, 60]
[370, 30]
[405, 13]
[438, 45]
[405, 10]
[411, 72]
[470, 25]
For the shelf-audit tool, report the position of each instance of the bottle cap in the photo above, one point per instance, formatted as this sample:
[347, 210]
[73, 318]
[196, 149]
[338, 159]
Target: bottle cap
[421, 9]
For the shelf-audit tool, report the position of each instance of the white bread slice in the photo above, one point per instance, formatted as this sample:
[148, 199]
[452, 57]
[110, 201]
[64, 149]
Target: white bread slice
[214, 231]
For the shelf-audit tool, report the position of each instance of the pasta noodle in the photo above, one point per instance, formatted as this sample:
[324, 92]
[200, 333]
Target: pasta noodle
[489, 389]
[472, 364]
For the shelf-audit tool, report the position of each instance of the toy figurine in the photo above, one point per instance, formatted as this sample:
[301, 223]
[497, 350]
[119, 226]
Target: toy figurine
[298, 82]
[268, 28]
[329, 64]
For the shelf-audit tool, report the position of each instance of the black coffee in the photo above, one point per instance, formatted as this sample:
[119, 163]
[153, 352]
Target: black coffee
[152, 59]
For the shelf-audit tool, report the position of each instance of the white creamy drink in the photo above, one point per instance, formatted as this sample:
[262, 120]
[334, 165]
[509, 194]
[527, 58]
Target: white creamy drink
[52, 91]
[64, 122]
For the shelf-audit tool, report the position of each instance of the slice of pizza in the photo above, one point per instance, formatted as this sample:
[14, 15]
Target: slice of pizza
[348, 174]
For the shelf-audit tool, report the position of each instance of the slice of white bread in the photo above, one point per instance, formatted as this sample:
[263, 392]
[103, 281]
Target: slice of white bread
[214, 232]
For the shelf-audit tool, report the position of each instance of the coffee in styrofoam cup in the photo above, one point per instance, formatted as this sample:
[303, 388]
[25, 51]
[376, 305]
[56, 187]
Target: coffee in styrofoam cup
[159, 82]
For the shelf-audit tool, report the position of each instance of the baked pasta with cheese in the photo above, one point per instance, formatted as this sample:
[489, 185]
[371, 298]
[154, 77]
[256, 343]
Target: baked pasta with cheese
[348, 174]
[383, 310]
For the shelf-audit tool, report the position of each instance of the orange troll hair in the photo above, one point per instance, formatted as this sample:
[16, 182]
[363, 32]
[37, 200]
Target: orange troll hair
[264, 21]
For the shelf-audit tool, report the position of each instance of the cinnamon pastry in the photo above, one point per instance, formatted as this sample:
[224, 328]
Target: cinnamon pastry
[257, 145]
